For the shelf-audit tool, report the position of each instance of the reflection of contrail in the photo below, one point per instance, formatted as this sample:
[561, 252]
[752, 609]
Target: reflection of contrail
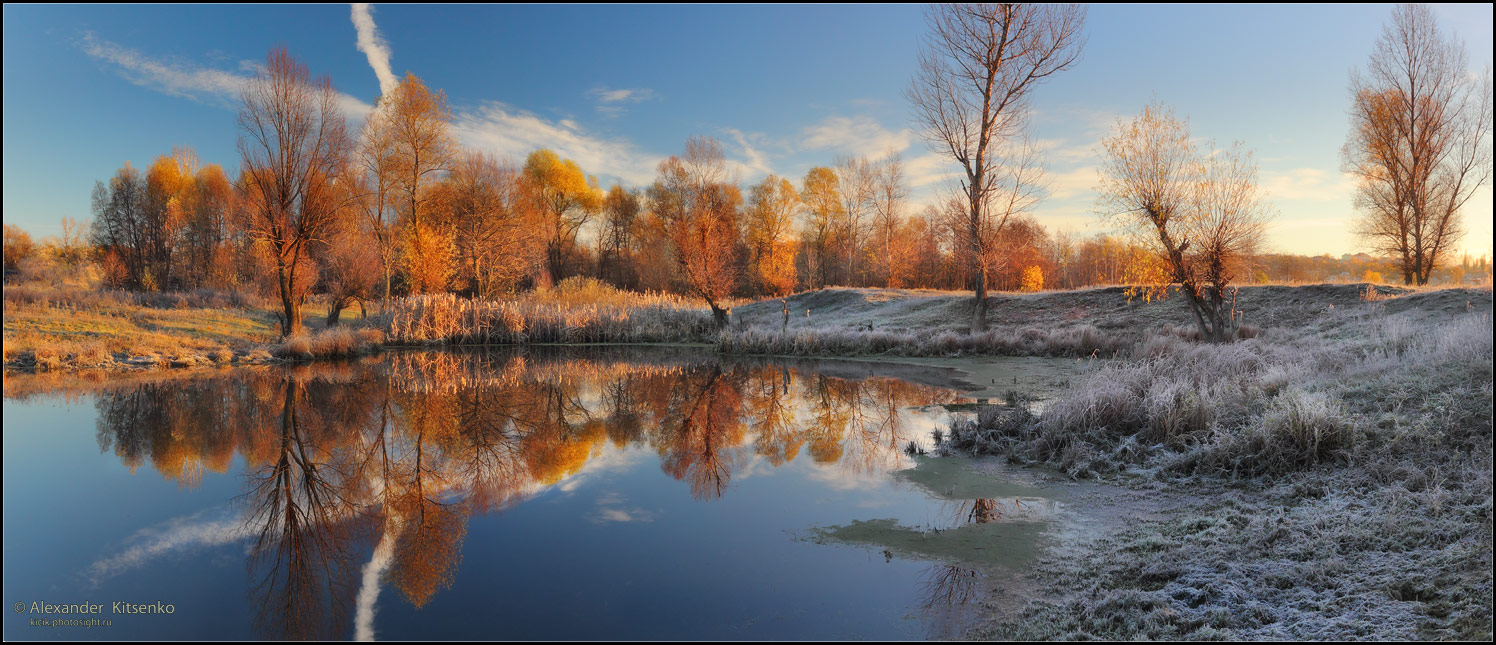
[368, 592]
[374, 47]
[176, 534]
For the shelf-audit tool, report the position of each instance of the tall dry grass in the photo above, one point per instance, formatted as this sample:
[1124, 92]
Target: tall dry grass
[543, 318]
[332, 342]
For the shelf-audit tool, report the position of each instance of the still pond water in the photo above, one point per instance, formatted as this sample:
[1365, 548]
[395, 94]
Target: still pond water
[580, 494]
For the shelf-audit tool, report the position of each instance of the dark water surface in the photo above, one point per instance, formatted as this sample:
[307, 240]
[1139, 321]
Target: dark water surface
[583, 494]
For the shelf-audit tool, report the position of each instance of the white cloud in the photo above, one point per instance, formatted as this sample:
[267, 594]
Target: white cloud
[626, 95]
[189, 80]
[1313, 184]
[858, 135]
[930, 169]
[610, 101]
[756, 162]
[373, 45]
[499, 129]
[1080, 182]
[175, 78]
[1059, 151]
[368, 591]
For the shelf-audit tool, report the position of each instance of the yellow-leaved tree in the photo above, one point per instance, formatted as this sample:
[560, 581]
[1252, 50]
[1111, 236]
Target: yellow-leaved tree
[771, 215]
[566, 199]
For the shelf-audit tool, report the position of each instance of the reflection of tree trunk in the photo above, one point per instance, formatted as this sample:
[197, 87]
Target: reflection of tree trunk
[303, 539]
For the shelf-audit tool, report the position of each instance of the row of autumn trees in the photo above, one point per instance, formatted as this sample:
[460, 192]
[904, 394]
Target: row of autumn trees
[400, 208]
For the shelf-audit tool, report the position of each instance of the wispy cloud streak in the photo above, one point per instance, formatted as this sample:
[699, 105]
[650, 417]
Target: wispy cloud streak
[373, 45]
[188, 80]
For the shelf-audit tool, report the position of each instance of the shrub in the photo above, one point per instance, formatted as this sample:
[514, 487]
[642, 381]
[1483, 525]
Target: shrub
[1306, 427]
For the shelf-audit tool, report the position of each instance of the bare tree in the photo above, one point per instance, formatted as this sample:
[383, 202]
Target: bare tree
[118, 227]
[293, 147]
[855, 180]
[497, 232]
[1419, 144]
[377, 163]
[889, 195]
[1201, 212]
[970, 93]
[615, 261]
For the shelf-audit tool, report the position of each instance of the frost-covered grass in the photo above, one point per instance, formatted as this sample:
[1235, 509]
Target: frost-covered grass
[1083, 340]
[1340, 478]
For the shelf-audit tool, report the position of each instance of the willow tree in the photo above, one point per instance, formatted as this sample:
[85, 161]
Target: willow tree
[1198, 209]
[699, 201]
[293, 149]
[976, 71]
[1420, 142]
[566, 198]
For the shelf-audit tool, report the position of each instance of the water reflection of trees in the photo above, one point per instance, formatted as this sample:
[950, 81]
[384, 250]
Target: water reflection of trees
[400, 450]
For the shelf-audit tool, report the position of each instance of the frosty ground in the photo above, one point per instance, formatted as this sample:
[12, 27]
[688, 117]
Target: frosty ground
[1328, 478]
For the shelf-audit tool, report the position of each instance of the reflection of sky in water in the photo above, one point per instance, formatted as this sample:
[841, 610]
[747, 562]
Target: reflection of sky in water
[630, 538]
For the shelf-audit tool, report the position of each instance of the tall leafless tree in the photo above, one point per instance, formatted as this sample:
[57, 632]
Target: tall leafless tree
[855, 183]
[1420, 141]
[890, 191]
[970, 93]
[293, 149]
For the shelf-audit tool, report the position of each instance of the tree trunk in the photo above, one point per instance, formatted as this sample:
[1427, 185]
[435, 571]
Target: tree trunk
[291, 319]
[335, 309]
[979, 316]
[719, 315]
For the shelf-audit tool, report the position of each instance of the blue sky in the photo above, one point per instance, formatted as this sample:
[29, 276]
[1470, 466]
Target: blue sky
[618, 88]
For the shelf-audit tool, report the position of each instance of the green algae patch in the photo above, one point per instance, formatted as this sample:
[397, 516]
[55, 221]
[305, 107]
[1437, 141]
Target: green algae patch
[957, 478]
[991, 545]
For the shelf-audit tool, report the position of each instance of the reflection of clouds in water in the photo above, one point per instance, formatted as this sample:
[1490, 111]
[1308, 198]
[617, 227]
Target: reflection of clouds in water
[920, 425]
[610, 508]
[623, 515]
[609, 459]
[368, 592]
[841, 478]
[756, 465]
[204, 529]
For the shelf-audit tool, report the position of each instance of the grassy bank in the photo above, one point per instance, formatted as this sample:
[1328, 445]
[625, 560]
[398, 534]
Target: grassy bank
[66, 328]
[1102, 322]
[1336, 475]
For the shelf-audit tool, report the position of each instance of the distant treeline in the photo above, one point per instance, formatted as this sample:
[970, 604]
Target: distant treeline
[400, 208]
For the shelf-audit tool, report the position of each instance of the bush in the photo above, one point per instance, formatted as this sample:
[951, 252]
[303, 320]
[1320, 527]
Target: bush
[333, 342]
